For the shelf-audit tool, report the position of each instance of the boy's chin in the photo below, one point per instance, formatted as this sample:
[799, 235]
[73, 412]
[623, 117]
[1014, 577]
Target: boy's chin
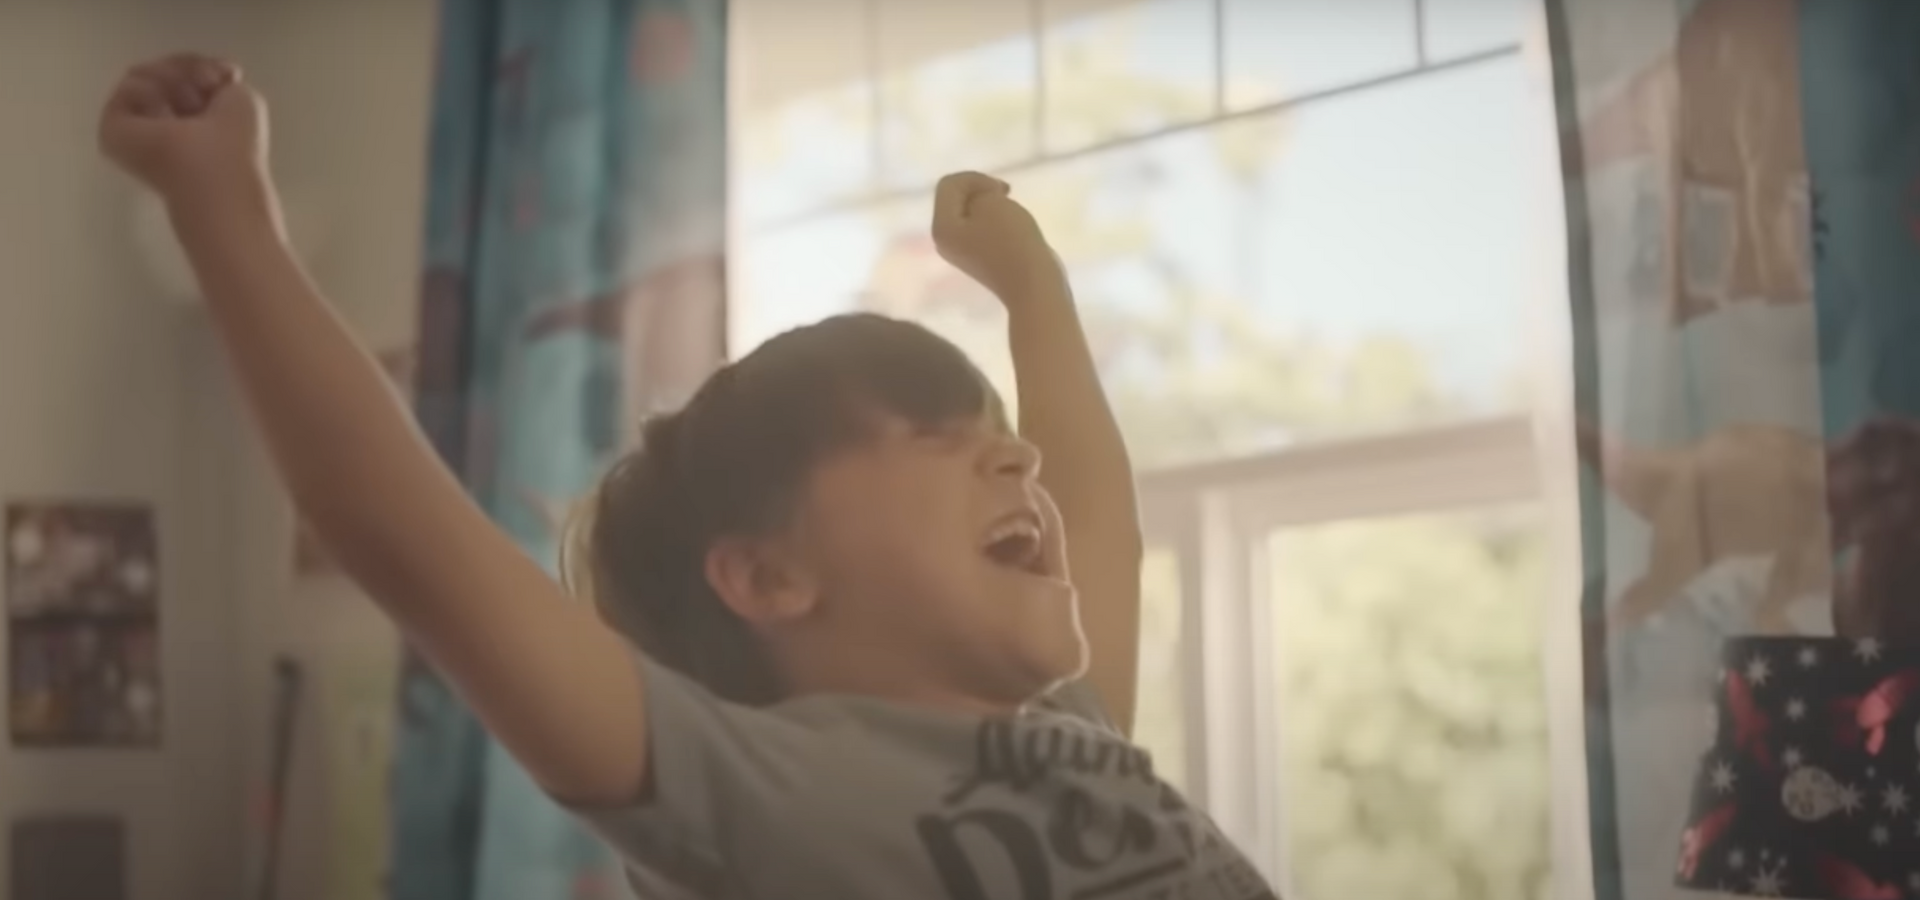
[1056, 650]
[1068, 662]
[1039, 623]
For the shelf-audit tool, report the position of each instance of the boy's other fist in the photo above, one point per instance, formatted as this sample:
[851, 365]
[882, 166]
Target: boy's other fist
[185, 124]
[984, 232]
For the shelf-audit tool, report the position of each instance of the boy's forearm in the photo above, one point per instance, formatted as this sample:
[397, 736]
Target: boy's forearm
[1064, 411]
[342, 439]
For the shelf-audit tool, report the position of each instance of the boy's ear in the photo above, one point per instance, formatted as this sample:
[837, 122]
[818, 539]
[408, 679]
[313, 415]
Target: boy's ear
[759, 580]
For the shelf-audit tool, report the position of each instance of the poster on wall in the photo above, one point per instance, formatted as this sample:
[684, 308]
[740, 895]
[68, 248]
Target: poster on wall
[309, 557]
[83, 616]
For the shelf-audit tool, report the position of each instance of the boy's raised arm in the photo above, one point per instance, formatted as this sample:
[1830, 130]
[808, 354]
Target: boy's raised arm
[1064, 412]
[553, 683]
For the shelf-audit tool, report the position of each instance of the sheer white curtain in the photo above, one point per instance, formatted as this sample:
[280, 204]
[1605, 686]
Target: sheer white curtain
[1550, 342]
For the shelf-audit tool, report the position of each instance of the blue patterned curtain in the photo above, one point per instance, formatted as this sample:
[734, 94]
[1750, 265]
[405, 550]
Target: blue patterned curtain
[1743, 198]
[573, 277]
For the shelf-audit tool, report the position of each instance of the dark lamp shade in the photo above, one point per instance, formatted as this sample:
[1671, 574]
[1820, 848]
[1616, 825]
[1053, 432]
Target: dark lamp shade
[1810, 787]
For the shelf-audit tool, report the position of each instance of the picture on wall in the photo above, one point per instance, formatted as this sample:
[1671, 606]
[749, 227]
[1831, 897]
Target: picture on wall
[310, 559]
[83, 615]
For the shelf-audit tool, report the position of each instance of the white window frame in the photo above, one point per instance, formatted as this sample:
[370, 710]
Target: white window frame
[1216, 518]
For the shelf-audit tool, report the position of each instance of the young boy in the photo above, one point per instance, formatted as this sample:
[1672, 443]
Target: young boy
[863, 670]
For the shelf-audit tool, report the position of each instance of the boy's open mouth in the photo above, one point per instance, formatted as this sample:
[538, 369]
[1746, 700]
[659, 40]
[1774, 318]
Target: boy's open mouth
[1015, 543]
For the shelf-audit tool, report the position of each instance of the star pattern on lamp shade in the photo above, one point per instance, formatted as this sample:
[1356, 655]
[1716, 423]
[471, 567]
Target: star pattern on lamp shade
[1819, 762]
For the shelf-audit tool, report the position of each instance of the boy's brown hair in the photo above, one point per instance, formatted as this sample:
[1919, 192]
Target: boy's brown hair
[734, 461]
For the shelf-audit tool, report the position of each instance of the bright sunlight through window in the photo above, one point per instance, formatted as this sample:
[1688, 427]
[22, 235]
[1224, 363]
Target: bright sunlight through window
[1296, 230]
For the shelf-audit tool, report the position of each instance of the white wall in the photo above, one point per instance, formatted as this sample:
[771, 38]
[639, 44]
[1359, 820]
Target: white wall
[348, 83]
[106, 393]
[96, 400]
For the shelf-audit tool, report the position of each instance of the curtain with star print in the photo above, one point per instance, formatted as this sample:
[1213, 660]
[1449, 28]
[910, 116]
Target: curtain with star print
[572, 279]
[1742, 189]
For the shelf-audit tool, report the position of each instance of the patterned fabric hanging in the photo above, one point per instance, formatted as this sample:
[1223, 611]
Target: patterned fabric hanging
[1741, 184]
[575, 232]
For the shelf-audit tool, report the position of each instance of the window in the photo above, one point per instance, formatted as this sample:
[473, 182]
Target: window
[1299, 236]
[1165, 45]
[1410, 717]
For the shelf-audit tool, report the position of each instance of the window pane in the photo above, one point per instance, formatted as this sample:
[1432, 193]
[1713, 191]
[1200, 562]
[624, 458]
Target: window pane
[1412, 710]
[877, 259]
[1259, 283]
[1299, 277]
[1159, 720]
[778, 50]
[957, 87]
[880, 259]
[804, 155]
[801, 274]
[803, 108]
[1456, 28]
[1114, 69]
[1279, 49]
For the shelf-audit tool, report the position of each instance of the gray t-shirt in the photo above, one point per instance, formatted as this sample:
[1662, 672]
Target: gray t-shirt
[852, 798]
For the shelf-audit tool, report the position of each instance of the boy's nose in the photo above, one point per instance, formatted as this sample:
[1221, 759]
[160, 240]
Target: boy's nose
[1012, 457]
